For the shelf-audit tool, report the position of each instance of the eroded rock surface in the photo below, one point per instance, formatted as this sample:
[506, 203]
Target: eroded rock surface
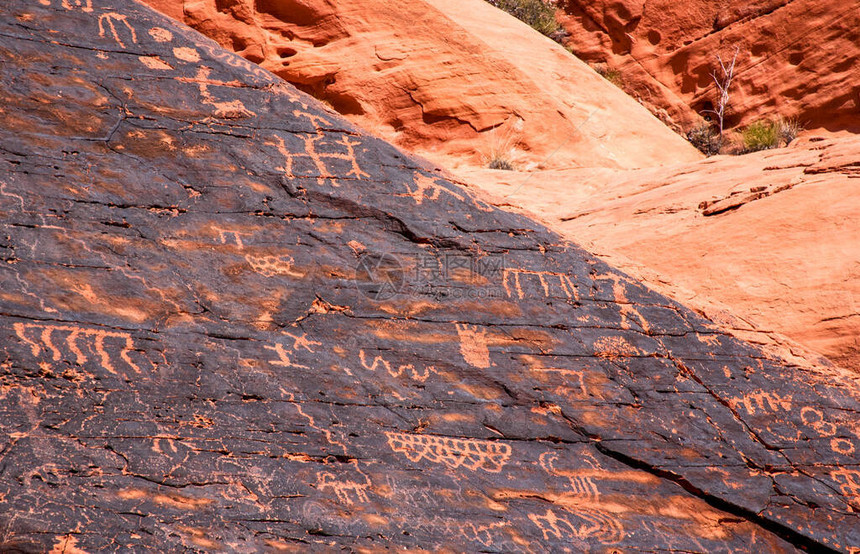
[773, 237]
[797, 58]
[197, 352]
[459, 82]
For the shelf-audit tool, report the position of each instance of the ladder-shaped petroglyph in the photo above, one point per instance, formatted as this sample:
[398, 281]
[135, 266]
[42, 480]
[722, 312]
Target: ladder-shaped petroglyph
[395, 370]
[584, 525]
[110, 22]
[553, 284]
[81, 343]
[473, 345]
[473, 454]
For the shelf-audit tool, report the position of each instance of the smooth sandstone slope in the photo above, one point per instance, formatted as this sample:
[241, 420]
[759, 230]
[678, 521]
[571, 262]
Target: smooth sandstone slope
[199, 352]
[797, 58]
[454, 81]
[774, 237]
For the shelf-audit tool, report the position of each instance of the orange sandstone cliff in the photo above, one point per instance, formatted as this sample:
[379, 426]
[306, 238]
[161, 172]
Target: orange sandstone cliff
[458, 82]
[797, 58]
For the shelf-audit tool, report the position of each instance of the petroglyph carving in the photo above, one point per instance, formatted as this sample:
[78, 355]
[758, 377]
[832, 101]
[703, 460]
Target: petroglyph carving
[552, 283]
[227, 236]
[581, 482]
[237, 62]
[481, 533]
[842, 446]
[614, 347]
[186, 54]
[159, 34]
[572, 376]
[47, 337]
[426, 187]
[429, 188]
[592, 525]
[231, 109]
[270, 266]
[761, 402]
[473, 345]
[472, 454]
[283, 359]
[321, 160]
[849, 482]
[154, 62]
[619, 291]
[84, 5]
[108, 22]
[303, 342]
[347, 492]
[395, 370]
[815, 419]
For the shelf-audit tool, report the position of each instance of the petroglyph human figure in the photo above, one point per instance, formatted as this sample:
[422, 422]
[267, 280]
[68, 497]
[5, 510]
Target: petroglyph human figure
[472, 454]
[321, 160]
[51, 338]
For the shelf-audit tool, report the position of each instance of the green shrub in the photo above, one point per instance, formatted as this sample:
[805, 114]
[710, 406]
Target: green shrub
[536, 13]
[761, 135]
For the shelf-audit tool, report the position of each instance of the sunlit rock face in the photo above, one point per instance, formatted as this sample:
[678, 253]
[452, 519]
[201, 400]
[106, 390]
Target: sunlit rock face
[229, 320]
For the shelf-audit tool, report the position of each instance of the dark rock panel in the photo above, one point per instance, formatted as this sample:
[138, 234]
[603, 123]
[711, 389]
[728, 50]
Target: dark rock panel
[231, 321]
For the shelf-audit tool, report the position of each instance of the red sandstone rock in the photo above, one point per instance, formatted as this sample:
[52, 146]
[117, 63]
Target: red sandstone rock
[774, 236]
[455, 81]
[798, 58]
